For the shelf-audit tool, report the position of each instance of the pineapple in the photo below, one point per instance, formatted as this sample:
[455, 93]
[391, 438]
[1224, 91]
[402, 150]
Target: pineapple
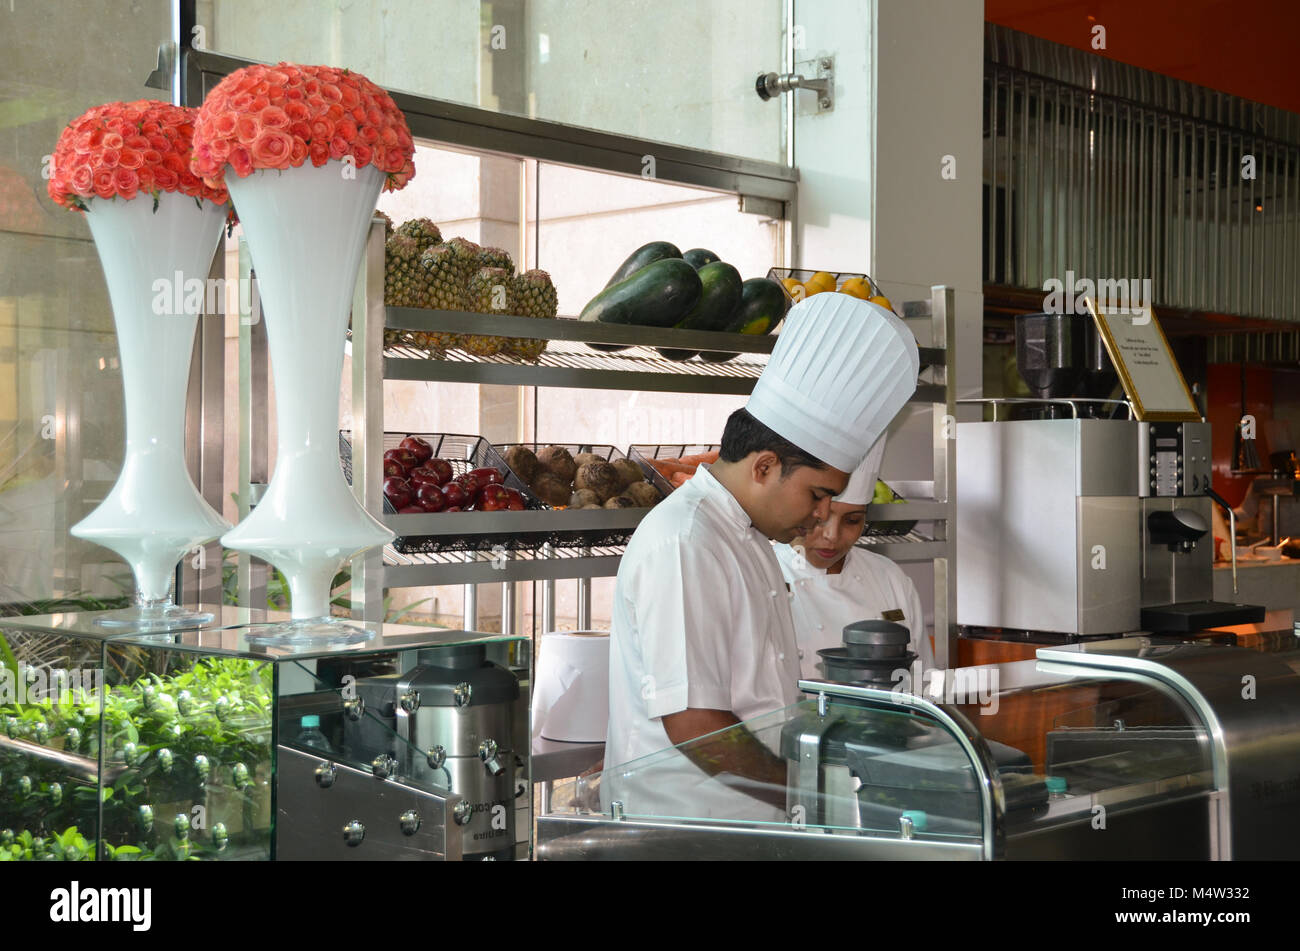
[424, 231]
[532, 295]
[488, 293]
[388, 224]
[495, 257]
[448, 275]
[406, 284]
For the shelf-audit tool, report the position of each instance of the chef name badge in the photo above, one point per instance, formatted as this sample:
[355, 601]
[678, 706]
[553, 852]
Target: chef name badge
[893, 614]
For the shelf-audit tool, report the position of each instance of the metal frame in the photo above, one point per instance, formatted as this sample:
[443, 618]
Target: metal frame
[488, 131]
[941, 309]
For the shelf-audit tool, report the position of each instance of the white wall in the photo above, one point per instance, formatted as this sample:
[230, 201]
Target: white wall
[909, 76]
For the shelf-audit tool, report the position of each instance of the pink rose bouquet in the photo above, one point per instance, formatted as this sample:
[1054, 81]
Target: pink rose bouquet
[280, 116]
[121, 149]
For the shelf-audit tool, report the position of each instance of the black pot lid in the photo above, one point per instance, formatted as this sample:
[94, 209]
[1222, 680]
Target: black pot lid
[876, 632]
[841, 657]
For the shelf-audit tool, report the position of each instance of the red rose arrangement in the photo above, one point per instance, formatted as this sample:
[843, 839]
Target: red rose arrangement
[121, 149]
[280, 116]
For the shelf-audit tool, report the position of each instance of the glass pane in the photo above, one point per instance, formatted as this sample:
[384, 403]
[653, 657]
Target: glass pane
[61, 411]
[854, 768]
[679, 71]
[1108, 741]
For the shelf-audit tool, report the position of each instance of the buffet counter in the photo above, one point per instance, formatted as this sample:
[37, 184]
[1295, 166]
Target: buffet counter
[1123, 749]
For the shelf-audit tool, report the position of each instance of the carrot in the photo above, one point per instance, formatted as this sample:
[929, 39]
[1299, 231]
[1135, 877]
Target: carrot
[666, 467]
[679, 479]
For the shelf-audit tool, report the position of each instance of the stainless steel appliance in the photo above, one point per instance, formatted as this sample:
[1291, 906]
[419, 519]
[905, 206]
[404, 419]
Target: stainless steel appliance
[1076, 519]
[450, 722]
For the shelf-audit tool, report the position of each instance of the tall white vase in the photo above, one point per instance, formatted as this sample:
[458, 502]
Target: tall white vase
[154, 515]
[306, 229]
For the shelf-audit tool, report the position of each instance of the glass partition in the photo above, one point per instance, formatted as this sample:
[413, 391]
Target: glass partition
[844, 767]
[679, 72]
[61, 413]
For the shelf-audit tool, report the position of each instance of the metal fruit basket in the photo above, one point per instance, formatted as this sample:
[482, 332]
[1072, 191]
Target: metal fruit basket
[585, 538]
[891, 528]
[464, 453]
[780, 274]
[642, 453]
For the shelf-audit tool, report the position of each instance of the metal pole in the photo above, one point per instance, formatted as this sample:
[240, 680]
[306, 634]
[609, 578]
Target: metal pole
[584, 604]
[509, 607]
[470, 620]
[548, 605]
[368, 420]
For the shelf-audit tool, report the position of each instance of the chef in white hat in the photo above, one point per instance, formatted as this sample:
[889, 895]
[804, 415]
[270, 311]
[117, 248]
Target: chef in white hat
[701, 632]
[833, 583]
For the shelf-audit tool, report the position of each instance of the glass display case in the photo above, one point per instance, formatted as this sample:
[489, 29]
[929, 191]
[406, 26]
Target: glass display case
[205, 744]
[1125, 749]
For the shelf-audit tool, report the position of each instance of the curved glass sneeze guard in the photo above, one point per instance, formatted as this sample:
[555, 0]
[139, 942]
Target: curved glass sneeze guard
[852, 769]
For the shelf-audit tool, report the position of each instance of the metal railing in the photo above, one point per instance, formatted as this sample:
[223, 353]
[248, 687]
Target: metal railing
[1114, 173]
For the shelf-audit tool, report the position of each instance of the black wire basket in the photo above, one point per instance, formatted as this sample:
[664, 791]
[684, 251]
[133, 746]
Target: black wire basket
[463, 453]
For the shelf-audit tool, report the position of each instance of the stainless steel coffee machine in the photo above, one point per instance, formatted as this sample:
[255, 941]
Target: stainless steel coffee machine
[1075, 518]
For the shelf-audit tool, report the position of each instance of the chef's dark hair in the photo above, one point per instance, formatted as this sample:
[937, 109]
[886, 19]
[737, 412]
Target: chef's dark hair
[744, 435]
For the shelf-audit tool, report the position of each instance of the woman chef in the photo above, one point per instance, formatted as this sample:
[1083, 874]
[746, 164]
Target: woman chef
[832, 583]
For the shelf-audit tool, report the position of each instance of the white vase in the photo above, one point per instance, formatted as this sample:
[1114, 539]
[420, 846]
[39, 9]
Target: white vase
[306, 229]
[154, 515]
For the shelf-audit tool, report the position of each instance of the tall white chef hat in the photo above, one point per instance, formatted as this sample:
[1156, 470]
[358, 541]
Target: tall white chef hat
[840, 371]
[862, 483]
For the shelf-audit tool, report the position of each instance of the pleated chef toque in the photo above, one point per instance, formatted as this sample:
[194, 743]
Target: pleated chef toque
[840, 371]
[862, 483]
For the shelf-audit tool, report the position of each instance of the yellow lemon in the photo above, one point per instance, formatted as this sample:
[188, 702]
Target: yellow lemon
[794, 288]
[821, 281]
[882, 301]
[856, 287]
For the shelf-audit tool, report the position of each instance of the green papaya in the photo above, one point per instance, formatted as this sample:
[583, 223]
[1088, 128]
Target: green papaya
[698, 257]
[658, 295]
[642, 256]
[762, 305]
[719, 299]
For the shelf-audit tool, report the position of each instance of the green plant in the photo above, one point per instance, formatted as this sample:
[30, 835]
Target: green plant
[197, 738]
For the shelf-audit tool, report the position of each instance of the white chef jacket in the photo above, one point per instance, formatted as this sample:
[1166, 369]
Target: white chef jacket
[701, 619]
[823, 604]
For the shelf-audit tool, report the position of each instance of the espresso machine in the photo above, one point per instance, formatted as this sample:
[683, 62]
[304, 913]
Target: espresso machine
[1073, 517]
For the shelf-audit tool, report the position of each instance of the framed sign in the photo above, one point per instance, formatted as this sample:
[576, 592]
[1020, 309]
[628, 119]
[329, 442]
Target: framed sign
[1146, 366]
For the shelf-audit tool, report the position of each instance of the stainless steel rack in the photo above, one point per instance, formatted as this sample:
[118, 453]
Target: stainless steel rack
[568, 362]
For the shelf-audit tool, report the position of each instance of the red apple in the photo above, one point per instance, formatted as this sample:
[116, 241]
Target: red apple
[423, 451]
[430, 498]
[398, 491]
[492, 498]
[393, 468]
[469, 483]
[404, 457]
[411, 510]
[455, 495]
[442, 467]
[515, 500]
[454, 508]
[487, 476]
[423, 475]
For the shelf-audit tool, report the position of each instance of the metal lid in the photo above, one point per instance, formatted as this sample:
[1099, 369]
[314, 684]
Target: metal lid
[876, 632]
[444, 671]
